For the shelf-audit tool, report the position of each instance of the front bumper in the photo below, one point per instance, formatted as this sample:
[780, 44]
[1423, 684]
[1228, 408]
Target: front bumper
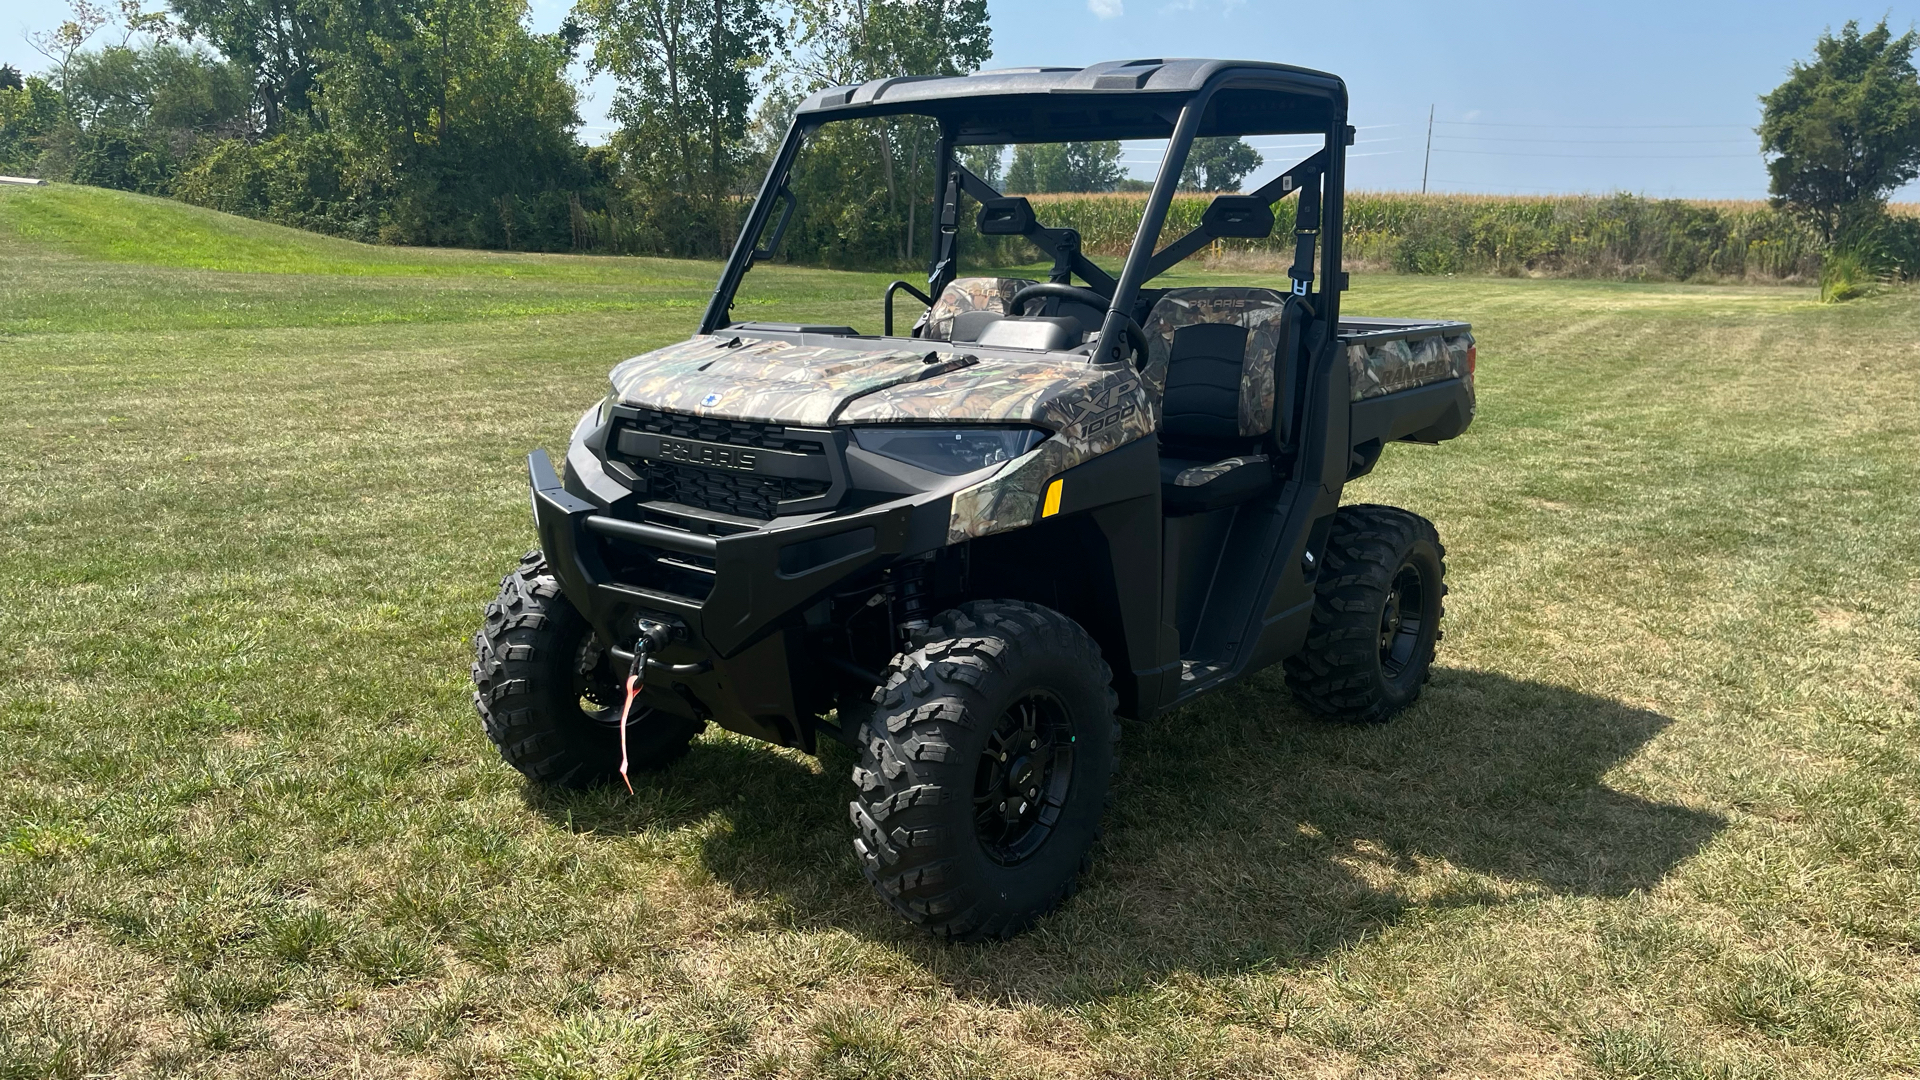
[741, 657]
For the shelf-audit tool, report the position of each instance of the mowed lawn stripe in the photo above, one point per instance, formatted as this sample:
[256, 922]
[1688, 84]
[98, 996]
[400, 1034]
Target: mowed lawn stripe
[1655, 817]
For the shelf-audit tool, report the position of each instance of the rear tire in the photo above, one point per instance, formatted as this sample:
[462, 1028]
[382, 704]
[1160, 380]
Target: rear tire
[1376, 616]
[549, 696]
[984, 770]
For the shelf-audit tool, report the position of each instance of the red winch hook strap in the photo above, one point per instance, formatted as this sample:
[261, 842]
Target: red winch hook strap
[636, 679]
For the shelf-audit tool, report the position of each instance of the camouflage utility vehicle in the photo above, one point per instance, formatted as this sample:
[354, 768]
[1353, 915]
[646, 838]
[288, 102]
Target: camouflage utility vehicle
[965, 549]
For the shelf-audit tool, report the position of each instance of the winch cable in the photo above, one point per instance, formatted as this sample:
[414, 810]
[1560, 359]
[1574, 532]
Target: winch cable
[636, 681]
[652, 637]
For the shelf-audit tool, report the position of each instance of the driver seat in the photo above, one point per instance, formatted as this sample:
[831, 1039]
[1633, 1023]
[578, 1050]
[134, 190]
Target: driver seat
[1211, 355]
[963, 295]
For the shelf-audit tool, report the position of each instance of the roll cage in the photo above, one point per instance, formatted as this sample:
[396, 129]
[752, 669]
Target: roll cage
[1179, 100]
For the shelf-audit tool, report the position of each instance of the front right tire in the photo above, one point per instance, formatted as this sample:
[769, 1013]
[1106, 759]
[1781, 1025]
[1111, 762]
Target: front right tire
[984, 770]
[548, 693]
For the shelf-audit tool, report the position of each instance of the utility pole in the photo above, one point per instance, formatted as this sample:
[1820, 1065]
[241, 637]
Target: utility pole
[1424, 165]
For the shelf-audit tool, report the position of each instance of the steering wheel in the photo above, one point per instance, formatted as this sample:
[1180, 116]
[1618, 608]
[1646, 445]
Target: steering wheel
[1136, 337]
[1060, 289]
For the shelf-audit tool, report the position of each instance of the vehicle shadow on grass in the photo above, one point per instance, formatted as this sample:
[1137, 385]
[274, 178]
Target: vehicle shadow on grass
[1242, 833]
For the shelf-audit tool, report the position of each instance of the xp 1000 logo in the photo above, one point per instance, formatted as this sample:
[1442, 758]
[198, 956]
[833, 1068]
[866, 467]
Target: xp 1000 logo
[1105, 407]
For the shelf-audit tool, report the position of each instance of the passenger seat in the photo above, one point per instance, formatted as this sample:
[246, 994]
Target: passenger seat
[1211, 355]
[967, 306]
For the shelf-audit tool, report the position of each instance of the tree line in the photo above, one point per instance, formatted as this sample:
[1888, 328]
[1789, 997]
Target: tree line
[452, 122]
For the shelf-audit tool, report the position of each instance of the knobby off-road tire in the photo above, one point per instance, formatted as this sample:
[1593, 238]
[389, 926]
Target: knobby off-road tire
[1003, 699]
[1376, 616]
[549, 695]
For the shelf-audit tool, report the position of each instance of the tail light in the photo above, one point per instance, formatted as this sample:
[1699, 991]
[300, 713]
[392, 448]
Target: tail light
[1473, 356]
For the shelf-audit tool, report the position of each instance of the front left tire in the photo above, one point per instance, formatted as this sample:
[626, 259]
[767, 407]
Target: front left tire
[984, 770]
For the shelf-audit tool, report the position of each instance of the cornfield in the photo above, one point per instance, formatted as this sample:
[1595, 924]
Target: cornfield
[1613, 236]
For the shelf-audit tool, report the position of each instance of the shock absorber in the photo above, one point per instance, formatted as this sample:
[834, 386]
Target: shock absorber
[912, 586]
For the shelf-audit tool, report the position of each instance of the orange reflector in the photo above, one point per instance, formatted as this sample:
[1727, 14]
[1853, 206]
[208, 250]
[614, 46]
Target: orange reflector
[1052, 506]
[1473, 359]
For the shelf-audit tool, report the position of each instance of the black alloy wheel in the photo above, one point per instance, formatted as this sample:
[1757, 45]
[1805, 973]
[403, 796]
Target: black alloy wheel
[1026, 770]
[1402, 620]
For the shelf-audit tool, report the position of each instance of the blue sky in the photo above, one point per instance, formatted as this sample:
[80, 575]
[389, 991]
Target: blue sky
[1658, 98]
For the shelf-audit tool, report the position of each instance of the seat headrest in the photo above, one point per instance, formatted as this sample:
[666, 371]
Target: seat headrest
[969, 294]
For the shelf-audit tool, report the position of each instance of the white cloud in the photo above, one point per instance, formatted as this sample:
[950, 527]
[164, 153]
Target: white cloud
[1105, 9]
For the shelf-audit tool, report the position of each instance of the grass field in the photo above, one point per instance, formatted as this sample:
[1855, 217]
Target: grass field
[1658, 815]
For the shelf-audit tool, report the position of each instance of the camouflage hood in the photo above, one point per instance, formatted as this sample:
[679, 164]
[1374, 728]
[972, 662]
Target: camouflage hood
[771, 381]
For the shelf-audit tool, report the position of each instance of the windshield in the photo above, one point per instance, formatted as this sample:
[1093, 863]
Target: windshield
[861, 208]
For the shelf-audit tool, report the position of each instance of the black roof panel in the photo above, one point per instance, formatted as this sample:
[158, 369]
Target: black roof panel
[1117, 99]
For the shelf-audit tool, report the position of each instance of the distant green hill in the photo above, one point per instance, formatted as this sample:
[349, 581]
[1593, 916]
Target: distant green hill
[89, 258]
[119, 226]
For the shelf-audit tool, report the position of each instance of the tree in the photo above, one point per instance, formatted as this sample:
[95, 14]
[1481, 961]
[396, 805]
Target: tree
[845, 42]
[1072, 166]
[1218, 164]
[134, 114]
[456, 113]
[10, 78]
[157, 86]
[686, 72]
[278, 42]
[1844, 130]
[28, 114]
[985, 162]
[62, 43]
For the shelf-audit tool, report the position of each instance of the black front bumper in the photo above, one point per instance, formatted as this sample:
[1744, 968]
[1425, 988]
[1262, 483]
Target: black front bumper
[743, 660]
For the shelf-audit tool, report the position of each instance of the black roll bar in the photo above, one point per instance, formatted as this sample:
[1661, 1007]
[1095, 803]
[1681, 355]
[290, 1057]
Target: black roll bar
[1270, 192]
[1319, 179]
[1108, 349]
[741, 258]
[1061, 245]
[894, 288]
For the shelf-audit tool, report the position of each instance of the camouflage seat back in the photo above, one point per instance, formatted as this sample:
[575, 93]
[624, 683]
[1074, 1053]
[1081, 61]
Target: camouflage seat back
[1258, 312]
[968, 294]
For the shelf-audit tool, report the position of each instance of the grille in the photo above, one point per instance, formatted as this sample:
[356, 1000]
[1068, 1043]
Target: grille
[734, 432]
[724, 491]
[727, 492]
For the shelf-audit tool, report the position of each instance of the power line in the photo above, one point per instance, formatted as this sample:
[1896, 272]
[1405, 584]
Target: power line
[1597, 127]
[1600, 142]
[1316, 146]
[1744, 194]
[1607, 157]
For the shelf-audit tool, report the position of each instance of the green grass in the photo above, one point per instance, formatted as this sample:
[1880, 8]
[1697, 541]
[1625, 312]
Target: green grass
[1654, 818]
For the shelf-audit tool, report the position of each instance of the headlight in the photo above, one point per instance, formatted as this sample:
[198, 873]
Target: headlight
[606, 410]
[948, 451]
